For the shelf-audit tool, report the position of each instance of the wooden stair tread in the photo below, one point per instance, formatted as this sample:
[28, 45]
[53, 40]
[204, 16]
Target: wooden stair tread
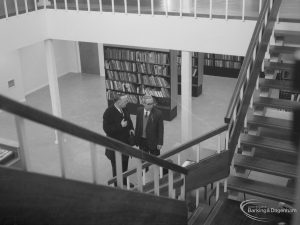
[278, 66]
[284, 33]
[286, 85]
[278, 50]
[288, 36]
[276, 156]
[269, 122]
[269, 143]
[265, 166]
[276, 103]
[258, 188]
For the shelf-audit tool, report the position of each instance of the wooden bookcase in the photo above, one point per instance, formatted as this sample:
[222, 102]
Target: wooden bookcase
[197, 73]
[222, 65]
[137, 72]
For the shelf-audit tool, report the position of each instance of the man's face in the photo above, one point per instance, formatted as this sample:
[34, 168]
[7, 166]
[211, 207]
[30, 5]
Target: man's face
[148, 104]
[123, 101]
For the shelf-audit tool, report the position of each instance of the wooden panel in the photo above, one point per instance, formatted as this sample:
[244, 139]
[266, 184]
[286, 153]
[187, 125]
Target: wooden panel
[269, 122]
[276, 103]
[89, 58]
[265, 166]
[269, 143]
[278, 84]
[279, 193]
[28, 198]
[208, 170]
[278, 50]
[271, 66]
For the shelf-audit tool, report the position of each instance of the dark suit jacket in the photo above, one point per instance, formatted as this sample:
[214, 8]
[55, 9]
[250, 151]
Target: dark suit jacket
[112, 126]
[154, 127]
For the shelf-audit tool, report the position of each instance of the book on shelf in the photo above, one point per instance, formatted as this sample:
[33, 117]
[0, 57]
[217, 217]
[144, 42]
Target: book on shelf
[195, 72]
[156, 92]
[136, 55]
[111, 95]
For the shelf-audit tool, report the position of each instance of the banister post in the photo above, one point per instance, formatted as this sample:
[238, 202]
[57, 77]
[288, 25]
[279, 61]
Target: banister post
[170, 176]
[118, 160]
[21, 133]
[139, 175]
[156, 179]
[182, 189]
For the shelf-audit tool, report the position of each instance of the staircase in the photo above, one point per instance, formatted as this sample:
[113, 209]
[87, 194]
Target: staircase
[265, 163]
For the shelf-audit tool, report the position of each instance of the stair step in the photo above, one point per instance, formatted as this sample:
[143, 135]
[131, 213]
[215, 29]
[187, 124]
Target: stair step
[276, 103]
[258, 188]
[288, 36]
[278, 66]
[276, 156]
[276, 50]
[285, 85]
[265, 166]
[269, 122]
[267, 143]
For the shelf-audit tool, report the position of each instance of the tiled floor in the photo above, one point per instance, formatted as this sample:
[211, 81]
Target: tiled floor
[83, 102]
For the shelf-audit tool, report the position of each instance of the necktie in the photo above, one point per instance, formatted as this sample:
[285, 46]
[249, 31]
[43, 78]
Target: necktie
[146, 114]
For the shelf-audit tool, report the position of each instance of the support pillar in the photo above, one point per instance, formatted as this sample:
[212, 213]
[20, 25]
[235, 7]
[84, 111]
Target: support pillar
[53, 81]
[101, 59]
[186, 100]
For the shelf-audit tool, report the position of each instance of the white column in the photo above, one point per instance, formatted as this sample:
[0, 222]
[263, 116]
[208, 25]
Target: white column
[52, 79]
[186, 99]
[101, 59]
[78, 60]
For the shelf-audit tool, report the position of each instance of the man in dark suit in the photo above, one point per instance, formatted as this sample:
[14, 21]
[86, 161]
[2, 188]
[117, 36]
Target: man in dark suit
[117, 124]
[149, 130]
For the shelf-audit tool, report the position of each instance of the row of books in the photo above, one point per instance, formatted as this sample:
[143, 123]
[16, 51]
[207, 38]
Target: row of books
[224, 64]
[157, 92]
[136, 55]
[120, 86]
[228, 64]
[224, 57]
[137, 78]
[137, 67]
[111, 95]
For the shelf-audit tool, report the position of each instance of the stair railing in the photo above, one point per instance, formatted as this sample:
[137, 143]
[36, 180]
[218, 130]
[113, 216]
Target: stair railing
[200, 174]
[26, 6]
[23, 112]
[248, 79]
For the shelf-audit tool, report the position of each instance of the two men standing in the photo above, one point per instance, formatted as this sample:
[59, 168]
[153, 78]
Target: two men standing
[149, 131]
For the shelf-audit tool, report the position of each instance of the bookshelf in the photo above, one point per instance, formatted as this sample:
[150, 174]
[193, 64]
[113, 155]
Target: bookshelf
[222, 65]
[137, 72]
[197, 73]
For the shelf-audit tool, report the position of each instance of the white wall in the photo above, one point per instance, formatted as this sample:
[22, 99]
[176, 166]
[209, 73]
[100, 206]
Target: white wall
[10, 69]
[23, 30]
[33, 63]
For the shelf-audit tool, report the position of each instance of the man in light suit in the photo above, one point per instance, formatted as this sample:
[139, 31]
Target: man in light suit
[149, 131]
[117, 124]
